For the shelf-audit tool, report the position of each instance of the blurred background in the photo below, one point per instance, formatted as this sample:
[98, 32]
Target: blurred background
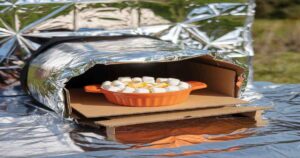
[276, 34]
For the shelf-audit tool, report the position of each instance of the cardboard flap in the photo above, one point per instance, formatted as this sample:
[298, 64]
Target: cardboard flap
[172, 116]
[210, 60]
[96, 106]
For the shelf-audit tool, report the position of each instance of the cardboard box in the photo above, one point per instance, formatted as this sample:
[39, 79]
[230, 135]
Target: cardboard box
[220, 98]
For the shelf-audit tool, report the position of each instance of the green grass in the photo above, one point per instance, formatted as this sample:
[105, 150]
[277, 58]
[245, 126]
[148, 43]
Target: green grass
[277, 48]
[282, 68]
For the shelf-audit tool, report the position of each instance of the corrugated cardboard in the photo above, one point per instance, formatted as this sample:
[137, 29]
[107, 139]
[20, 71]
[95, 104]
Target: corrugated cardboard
[172, 116]
[217, 100]
[218, 79]
[209, 60]
[96, 106]
[112, 123]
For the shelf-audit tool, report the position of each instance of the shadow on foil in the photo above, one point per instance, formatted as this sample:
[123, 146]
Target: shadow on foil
[180, 133]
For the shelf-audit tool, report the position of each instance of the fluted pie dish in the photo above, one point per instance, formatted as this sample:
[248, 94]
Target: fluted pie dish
[146, 92]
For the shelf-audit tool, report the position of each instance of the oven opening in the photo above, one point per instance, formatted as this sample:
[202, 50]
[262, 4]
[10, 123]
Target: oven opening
[220, 85]
[218, 79]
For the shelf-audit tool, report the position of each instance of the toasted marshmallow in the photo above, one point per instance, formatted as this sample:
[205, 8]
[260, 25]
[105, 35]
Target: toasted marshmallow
[158, 90]
[148, 79]
[172, 88]
[114, 89]
[124, 79]
[161, 85]
[160, 80]
[128, 90]
[173, 81]
[184, 85]
[137, 79]
[142, 90]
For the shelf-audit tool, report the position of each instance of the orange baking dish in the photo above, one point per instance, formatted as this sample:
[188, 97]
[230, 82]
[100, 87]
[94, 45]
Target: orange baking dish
[146, 99]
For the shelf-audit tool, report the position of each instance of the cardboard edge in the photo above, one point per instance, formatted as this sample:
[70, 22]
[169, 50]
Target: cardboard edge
[152, 118]
[238, 102]
[255, 114]
[155, 112]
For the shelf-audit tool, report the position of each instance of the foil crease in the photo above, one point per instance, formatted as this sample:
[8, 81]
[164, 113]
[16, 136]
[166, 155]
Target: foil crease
[218, 25]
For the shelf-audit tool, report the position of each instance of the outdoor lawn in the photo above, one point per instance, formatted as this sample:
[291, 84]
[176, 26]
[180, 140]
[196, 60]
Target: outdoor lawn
[277, 48]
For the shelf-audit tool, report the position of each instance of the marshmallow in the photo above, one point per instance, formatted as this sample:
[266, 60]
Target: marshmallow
[184, 85]
[117, 83]
[149, 85]
[124, 79]
[160, 80]
[173, 81]
[146, 84]
[137, 79]
[128, 90]
[162, 85]
[142, 90]
[121, 86]
[172, 88]
[148, 79]
[106, 85]
[114, 89]
[158, 90]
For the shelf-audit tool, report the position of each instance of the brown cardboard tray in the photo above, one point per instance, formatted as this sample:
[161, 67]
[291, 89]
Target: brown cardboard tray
[96, 106]
[112, 123]
[177, 115]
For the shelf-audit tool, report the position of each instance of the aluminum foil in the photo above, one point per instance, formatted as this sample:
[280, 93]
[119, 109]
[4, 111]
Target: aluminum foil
[222, 26]
[29, 131]
[49, 71]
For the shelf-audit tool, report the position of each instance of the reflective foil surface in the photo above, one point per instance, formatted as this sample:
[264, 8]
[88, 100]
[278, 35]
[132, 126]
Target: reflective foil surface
[25, 25]
[30, 131]
[49, 72]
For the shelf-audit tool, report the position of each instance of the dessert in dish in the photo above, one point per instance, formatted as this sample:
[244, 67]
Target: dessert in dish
[145, 84]
[145, 91]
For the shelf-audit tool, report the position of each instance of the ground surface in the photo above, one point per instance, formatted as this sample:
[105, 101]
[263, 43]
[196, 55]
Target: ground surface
[277, 48]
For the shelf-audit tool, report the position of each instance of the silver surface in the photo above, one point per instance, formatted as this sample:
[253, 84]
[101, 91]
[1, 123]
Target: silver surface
[29, 131]
[217, 25]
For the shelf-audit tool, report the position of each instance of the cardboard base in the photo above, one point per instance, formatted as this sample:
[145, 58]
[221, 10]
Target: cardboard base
[92, 105]
[114, 122]
[202, 104]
